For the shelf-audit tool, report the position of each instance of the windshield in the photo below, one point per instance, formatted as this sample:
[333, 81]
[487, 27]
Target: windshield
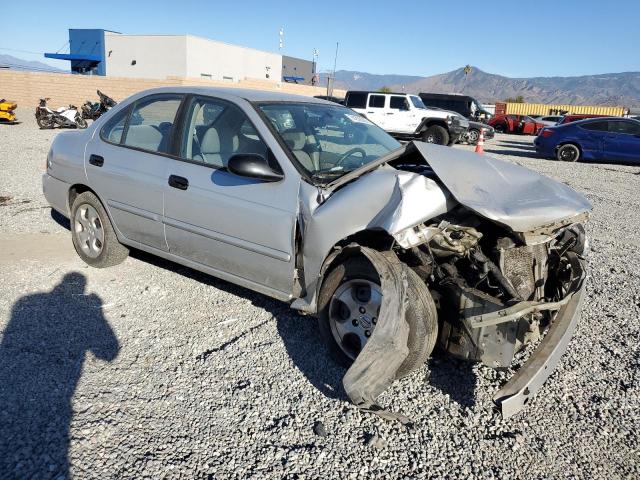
[328, 141]
[417, 102]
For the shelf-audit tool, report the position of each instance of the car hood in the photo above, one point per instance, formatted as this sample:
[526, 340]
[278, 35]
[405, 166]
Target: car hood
[507, 193]
[504, 192]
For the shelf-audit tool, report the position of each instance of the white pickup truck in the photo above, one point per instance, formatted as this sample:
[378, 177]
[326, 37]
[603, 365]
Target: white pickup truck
[405, 117]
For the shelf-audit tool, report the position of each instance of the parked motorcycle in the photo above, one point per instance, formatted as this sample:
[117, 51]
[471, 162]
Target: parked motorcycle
[62, 117]
[93, 110]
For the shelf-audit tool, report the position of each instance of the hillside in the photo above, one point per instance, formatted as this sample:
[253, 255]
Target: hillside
[14, 63]
[604, 89]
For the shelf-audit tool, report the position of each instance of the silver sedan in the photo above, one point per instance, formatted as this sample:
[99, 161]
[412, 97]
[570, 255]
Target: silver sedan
[395, 248]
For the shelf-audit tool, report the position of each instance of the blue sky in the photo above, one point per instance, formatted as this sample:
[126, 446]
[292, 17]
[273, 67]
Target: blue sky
[512, 38]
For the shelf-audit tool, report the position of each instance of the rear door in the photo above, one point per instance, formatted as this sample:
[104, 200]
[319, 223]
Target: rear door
[126, 163]
[623, 141]
[377, 109]
[243, 229]
[593, 135]
[401, 118]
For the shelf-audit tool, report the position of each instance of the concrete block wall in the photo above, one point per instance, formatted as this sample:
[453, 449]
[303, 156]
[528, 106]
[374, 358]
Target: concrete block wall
[26, 88]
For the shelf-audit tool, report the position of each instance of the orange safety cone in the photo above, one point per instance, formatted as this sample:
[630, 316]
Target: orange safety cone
[480, 144]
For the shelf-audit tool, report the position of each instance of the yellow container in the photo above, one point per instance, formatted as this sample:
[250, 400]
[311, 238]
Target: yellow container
[553, 109]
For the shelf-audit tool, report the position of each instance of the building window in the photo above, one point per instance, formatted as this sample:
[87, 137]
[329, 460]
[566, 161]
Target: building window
[206, 75]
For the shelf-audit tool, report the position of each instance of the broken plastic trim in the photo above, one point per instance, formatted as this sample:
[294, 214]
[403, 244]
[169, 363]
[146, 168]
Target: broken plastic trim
[376, 367]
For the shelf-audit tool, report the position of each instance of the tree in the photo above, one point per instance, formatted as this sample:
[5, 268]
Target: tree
[518, 99]
[384, 90]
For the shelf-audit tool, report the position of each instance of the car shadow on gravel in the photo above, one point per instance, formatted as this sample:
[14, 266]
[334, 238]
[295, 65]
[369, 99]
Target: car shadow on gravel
[453, 377]
[519, 145]
[299, 333]
[42, 352]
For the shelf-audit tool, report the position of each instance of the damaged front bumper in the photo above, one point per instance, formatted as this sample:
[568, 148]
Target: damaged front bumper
[526, 382]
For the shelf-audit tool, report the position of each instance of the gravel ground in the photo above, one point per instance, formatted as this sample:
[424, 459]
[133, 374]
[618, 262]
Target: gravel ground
[152, 370]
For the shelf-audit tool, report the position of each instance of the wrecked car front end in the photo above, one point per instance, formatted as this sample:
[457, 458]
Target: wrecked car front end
[500, 248]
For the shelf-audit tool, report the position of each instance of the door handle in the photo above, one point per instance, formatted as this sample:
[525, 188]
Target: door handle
[389, 113]
[96, 160]
[180, 183]
[371, 112]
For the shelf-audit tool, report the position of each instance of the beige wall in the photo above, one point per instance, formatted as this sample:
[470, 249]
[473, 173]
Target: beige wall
[26, 88]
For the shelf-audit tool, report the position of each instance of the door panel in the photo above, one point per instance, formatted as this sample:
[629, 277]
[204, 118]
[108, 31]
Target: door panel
[376, 111]
[243, 227]
[623, 141]
[130, 181]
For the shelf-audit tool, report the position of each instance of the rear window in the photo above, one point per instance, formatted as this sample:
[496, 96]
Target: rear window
[356, 100]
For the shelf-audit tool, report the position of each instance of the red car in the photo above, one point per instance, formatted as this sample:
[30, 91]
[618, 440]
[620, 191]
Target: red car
[573, 118]
[515, 124]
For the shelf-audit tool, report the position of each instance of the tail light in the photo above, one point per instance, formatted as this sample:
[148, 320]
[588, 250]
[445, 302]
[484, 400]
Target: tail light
[546, 133]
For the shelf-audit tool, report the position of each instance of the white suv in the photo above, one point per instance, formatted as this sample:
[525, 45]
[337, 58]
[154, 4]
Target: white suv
[405, 117]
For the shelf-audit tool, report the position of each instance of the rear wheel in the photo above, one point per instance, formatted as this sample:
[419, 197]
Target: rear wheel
[92, 233]
[568, 153]
[81, 122]
[45, 122]
[349, 304]
[436, 134]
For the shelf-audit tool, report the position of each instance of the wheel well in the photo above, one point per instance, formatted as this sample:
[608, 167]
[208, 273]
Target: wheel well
[432, 122]
[76, 190]
[376, 239]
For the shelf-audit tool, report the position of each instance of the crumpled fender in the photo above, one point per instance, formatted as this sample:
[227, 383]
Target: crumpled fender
[376, 367]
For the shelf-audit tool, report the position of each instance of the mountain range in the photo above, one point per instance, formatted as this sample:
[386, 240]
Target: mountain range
[604, 89]
[15, 63]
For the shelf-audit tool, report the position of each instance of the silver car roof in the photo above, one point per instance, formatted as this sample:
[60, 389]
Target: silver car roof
[240, 93]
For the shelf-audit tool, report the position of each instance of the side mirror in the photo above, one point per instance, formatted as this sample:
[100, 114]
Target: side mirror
[252, 165]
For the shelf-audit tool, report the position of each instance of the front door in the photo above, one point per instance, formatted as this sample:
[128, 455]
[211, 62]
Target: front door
[623, 141]
[126, 163]
[241, 228]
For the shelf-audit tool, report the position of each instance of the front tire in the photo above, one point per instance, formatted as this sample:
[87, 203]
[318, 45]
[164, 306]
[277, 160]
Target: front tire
[568, 153]
[436, 134]
[473, 136]
[353, 287]
[500, 128]
[92, 234]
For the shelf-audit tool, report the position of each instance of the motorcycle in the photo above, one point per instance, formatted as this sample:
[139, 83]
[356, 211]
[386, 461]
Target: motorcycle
[93, 110]
[62, 117]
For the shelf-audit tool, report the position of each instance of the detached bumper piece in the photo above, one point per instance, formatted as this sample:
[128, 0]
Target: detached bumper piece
[526, 382]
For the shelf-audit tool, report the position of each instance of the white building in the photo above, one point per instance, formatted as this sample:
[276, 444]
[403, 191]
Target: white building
[161, 56]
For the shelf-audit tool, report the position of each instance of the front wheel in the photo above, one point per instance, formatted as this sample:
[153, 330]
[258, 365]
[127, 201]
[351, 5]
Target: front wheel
[92, 233]
[349, 304]
[473, 136]
[436, 134]
[500, 128]
[568, 153]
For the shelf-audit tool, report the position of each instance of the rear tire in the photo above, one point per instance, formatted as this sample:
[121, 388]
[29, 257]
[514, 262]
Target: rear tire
[568, 153]
[436, 134]
[421, 314]
[45, 123]
[81, 122]
[92, 234]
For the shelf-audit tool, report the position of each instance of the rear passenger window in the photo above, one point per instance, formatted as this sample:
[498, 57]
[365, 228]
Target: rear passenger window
[112, 130]
[376, 101]
[151, 123]
[601, 126]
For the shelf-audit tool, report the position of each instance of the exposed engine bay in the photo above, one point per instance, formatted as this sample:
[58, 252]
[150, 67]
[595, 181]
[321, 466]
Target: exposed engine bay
[494, 293]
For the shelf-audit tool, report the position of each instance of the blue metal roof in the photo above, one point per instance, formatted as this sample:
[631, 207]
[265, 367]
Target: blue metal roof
[74, 57]
[293, 79]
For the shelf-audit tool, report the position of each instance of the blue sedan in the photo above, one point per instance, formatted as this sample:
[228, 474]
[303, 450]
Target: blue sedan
[596, 139]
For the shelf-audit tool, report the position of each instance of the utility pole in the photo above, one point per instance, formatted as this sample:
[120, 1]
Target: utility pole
[281, 42]
[333, 74]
